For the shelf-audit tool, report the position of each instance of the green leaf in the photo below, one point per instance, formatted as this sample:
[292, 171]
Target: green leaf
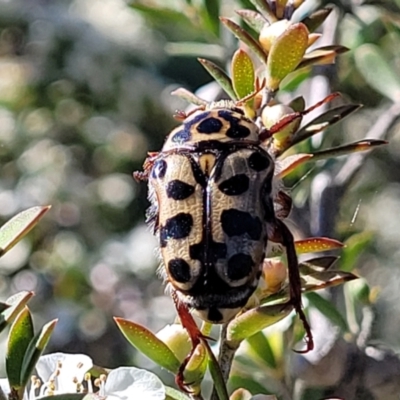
[194, 49]
[328, 310]
[189, 97]
[148, 344]
[324, 279]
[286, 53]
[211, 14]
[249, 383]
[255, 320]
[376, 70]
[220, 76]
[252, 18]
[324, 120]
[317, 264]
[21, 334]
[315, 20]
[216, 375]
[264, 9]
[290, 163]
[246, 38]
[173, 394]
[17, 227]
[362, 145]
[355, 245]
[162, 16]
[260, 346]
[242, 74]
[322, 56]
[15, 305]
[35, 350]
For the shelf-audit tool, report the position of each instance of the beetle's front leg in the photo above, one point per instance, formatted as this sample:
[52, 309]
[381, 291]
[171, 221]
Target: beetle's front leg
[283, 235]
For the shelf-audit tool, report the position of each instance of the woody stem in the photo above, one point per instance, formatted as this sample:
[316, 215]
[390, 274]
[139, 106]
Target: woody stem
[225, 358]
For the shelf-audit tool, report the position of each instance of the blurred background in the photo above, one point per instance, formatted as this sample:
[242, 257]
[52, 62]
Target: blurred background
[85, 93]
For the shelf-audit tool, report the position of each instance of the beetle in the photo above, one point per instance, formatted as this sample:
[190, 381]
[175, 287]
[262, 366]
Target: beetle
[212, 207]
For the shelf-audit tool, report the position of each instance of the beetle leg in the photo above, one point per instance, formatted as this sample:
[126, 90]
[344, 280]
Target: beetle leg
[285, 237]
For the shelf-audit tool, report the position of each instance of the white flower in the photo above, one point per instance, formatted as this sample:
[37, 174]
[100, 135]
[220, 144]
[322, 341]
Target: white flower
[62, 373]
[58, 373]
[127, 383]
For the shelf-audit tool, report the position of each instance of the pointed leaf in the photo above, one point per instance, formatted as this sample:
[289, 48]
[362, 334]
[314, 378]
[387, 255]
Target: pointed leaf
[220, 76]
[3, 307]
[328, 310]
[317, 264]
[216, 375]
[355, 245]
[173, 394]
[255, 320]
[322, 56]
[325, 279]
[372, 64]
[189, 97]
[245, 37]
[261, 347]
[15, 304]
[316, 244]
[285, 55]
[21, 334]
[148, 344]
[252, 18]
[210, 16]
[326, 119]
[289, 164]
[312, 38]
[17, 227]
[194, 49]
[264, 9]
[315, 20]
[242, 74]
[362, 145]
[35, 350]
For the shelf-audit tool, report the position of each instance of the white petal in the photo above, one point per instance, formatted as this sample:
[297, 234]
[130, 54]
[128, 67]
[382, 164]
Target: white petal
[73, 368]
[5, 387]
[134, 383]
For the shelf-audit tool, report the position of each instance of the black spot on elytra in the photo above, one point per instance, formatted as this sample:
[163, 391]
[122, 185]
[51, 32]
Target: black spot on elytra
[236, 130]
[227, 116]
[212, 251]
[235, 223]
[237, 184]
[240, 266]
[179, 270]
[179, 190]
[214, 315]
[159, 169]
[182, 136]
[209, 126]
[258, 162]
[177, 227]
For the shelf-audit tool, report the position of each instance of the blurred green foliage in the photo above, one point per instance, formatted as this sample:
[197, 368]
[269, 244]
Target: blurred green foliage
[84, 94]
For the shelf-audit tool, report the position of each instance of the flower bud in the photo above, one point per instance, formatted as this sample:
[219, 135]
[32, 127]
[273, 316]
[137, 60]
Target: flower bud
[177, 339]
[270, 33]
